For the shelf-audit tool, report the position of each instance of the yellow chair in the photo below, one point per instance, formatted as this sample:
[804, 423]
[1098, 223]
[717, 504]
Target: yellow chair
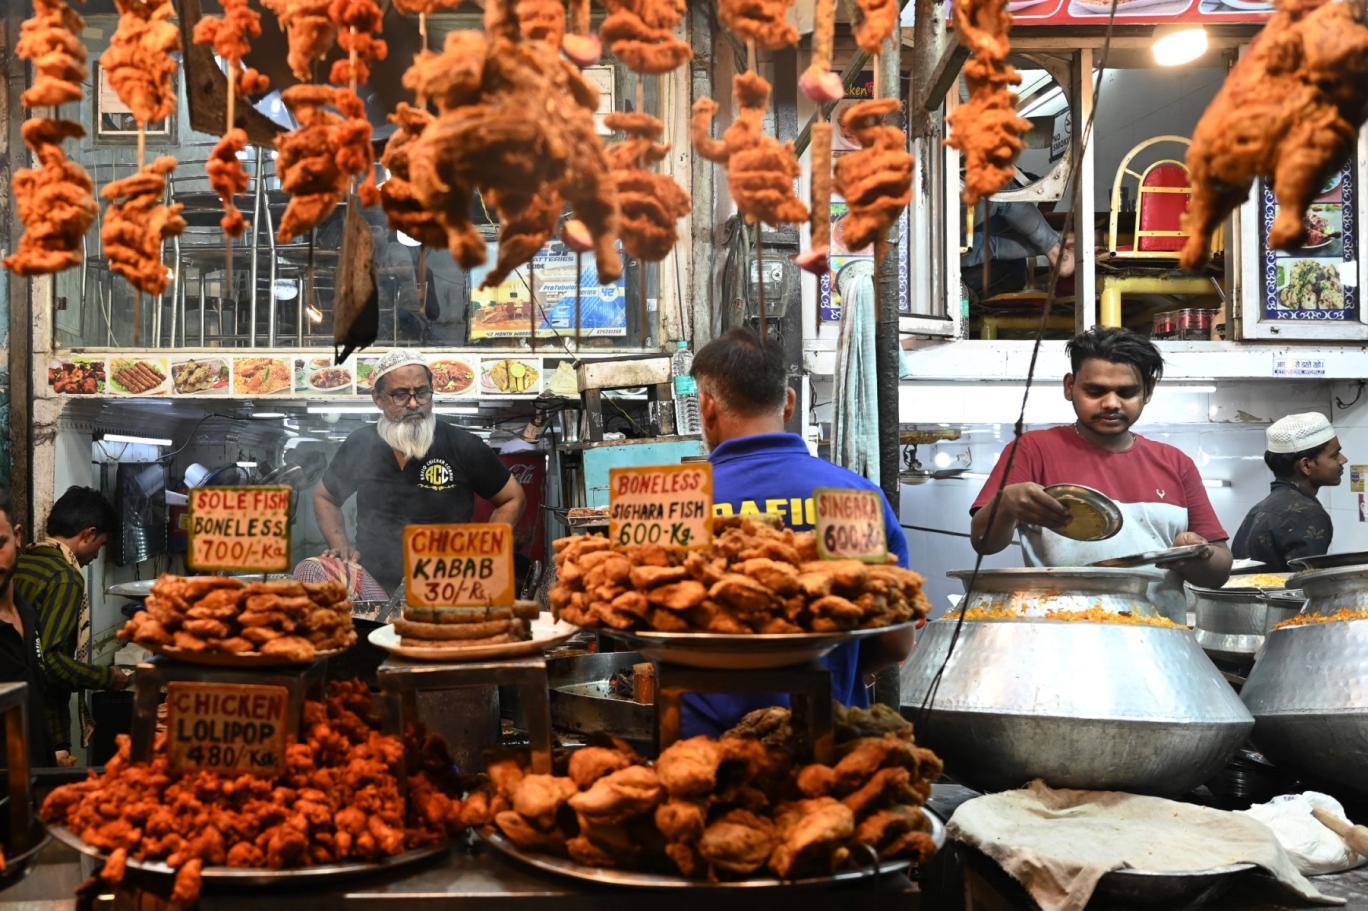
[1149, 264]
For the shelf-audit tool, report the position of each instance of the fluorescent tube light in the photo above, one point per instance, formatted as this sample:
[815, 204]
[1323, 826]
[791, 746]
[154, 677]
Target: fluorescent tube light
[137, 441]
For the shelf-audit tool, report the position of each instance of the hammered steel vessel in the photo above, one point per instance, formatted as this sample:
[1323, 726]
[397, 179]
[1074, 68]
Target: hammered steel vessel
[1308, 691]
[1096, 705]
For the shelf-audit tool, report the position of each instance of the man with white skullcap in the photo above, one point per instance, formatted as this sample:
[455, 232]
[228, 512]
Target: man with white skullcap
[1304, 456]
[407, 469]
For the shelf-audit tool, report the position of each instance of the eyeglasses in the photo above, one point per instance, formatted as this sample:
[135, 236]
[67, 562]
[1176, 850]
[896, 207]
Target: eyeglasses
[400, 397]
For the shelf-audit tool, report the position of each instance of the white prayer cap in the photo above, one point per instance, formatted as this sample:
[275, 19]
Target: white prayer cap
[394, 360]
[1299, 432]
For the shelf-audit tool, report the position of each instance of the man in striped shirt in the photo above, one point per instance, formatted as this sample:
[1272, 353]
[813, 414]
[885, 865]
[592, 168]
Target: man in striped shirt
[49, 577]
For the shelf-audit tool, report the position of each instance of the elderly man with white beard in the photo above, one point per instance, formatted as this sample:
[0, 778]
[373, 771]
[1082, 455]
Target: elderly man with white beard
[407, 469]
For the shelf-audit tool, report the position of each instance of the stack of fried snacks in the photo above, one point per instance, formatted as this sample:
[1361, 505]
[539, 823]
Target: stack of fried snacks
[289, 620]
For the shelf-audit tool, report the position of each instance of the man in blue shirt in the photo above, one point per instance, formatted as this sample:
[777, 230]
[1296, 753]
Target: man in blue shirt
[745, 401]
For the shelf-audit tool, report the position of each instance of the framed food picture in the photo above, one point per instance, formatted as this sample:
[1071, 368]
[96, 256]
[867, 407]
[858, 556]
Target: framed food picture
[452, 376]
[510, 376]
[319, 375]
[77, 376]
[200, 376]
[257, 376]
[115, 123]
[141, 376]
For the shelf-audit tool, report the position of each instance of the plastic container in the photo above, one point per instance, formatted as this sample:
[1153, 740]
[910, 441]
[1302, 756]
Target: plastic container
[687, 419]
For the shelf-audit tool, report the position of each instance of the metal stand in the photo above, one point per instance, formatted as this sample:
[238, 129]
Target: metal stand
[14, 705]
[151, 677]
[808, 685]
[400, 680]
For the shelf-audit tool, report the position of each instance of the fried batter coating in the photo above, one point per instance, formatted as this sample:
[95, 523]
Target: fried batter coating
[810, 835]
[688, 768]
[139, 62]
[1290, 110]
[738, 842]
[619, 796]
[651, 203]
[397, 194]
[51, 40]
[589, 764]
[641, 33]
[876, 182]
[55, 201]
[358, 23]
[137, 224]
[229, 36]
[986, 130]
[228, 178]
[760, 169]
[538, 798]
[877, 26]
[307, 162]
[309, 29]
[761, 21]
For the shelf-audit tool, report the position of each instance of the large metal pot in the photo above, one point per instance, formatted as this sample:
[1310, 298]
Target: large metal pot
[1231, 623]
[1082, 705]
[1035, 591]
[1308, 691]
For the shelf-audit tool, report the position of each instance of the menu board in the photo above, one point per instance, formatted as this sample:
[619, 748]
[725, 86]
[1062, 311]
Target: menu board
[1319, 282]
[224, 727]
[239, 529]
[1027, 13]
[506, 310]
[850, 524]
[845, 262]
[469, 564]
[670, 505]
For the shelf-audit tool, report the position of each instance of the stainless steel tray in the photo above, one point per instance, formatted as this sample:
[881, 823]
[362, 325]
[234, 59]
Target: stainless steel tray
[17, 866]
[1082, 500]
[247, 876]
[636, 880]
[728, 652]
[1332, 561]
[1158, 557]
[236, 659]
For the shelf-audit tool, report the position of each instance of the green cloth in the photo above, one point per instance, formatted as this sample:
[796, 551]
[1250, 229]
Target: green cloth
[56, 590]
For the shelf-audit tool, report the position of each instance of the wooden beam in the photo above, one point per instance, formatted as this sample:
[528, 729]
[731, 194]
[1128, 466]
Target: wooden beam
[946, 71]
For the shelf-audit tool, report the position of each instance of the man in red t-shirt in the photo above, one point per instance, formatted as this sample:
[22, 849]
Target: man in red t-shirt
[1158, 488]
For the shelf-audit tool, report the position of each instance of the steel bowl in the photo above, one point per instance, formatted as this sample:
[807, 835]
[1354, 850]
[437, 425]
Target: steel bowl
[1231, 623]
[1100, 706]
[1308, 694]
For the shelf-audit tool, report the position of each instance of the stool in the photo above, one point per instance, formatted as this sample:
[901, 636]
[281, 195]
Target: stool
[149, 678]
[401, 679]
[1115, 287]
[808, 685]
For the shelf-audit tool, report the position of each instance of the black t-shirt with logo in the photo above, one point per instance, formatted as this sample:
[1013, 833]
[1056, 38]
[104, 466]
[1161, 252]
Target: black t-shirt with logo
[438, 488]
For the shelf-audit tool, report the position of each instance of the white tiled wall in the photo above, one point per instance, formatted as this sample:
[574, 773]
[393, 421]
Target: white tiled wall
[1351, 423]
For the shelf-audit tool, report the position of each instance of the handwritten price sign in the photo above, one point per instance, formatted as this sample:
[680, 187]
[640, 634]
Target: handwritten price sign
[239, 529]
[671, 505]
[459, 565]
[219, 727]
[850, 524]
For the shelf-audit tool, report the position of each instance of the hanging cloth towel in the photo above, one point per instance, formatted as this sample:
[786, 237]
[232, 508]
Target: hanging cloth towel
[855, 400]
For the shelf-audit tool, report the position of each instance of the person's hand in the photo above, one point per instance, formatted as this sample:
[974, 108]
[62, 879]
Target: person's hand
[1186, 538]
[65, 760]
[347, 555]
[122, 679]
[1028, 503]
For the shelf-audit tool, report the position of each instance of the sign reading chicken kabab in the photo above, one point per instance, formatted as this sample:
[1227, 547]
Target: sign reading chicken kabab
[669, 505]
[469, 565]
[850, 524]
[218, 727]
[239, 529]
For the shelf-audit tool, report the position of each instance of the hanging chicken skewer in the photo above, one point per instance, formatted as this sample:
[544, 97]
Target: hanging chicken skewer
[308, 28]
[641, 33]
[762, 22]
[651, 203]
[876, 182]
[138, 222]
[986, 130]
[55, 200]
[229, 37]
[1290, 110]
[139, 59]
[823, 86]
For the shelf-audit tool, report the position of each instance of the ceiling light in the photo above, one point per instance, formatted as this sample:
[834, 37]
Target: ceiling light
[342, 409]
[452, 409]
[246, 464]
[1215, 482]
[267, 415]
[315, 315]
[137, 441]
[1175, 45]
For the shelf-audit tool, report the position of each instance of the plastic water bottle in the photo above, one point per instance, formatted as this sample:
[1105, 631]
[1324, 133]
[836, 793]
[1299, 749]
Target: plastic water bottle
[687, 419]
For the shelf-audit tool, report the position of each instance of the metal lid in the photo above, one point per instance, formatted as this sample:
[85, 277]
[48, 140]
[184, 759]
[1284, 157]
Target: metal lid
[1094, 515]
[1332, 561]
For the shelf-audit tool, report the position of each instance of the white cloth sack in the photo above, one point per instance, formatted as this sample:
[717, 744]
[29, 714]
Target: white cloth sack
[1059, 843]
[1313, 847]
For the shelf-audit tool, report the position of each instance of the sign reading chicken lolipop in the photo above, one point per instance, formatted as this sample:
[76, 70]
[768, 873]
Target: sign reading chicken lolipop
[239, 529]
[459, 565]
[850, 524]
[670, 505]
[223, 727]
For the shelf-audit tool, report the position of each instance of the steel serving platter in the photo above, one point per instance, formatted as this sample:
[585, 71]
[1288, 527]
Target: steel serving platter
[634, 879]
[745, 651]
[546, 633]
[1094, 515]
[253, 876]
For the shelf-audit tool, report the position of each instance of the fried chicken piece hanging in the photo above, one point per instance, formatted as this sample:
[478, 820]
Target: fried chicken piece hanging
[650, 203]
[760, 169]
[817, 257]
[138, 222]
[876, 182]
[641, 33]
[397, 194]
[51, 40]
[139, 62]
[425, 7]
[986, 130]
[358, 22]
[541, 20]
[1290, 110]
[228, 178]
[55, 201]
[229, 35]
[308, 162]
[761, 21]
[352, 140]
[309, 29]
[877, 25]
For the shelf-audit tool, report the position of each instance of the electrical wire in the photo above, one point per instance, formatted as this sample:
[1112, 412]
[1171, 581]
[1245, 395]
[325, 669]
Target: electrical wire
[928, 702]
